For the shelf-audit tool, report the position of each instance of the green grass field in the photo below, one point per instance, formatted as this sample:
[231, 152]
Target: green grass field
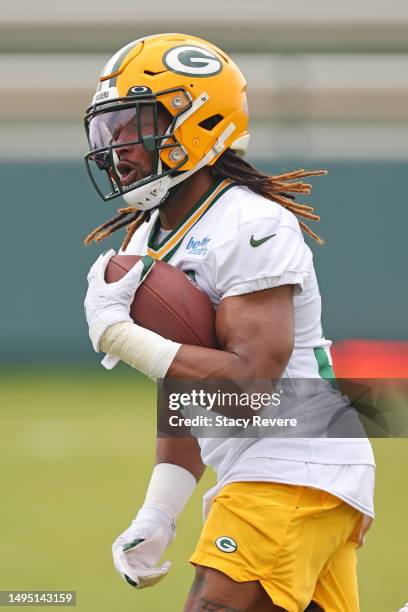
[77, 448]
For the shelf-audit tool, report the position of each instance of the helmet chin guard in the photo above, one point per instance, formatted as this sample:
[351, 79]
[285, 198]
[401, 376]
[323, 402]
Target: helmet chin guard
[150, 195]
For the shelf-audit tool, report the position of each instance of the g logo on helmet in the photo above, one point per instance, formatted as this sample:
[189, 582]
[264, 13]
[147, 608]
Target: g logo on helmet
[226, 544]
[190, 60]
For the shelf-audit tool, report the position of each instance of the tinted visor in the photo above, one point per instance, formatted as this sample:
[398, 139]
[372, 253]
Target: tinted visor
[115, 135]
[128, 125]
[126, 138]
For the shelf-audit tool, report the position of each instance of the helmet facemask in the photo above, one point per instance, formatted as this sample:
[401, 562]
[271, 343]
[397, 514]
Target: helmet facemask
[115, 128]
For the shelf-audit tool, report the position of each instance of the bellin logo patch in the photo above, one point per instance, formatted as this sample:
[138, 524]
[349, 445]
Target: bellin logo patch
[226, 544]
[192, 61]
[197, 247]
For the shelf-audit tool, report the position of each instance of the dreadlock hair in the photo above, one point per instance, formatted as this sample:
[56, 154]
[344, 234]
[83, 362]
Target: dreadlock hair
[103, 231]
[276, 188]
[229, 166]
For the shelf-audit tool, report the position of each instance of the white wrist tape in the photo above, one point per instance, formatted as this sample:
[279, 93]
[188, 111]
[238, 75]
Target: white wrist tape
[140, 348]
[105, 320]
[170, 488]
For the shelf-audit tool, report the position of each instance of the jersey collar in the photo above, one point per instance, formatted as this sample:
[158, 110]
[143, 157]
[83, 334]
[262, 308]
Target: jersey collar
[165, 249]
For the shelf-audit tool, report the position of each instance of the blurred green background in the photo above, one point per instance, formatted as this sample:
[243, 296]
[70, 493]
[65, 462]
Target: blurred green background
[77, 450]
[361, 267]
[328, 88]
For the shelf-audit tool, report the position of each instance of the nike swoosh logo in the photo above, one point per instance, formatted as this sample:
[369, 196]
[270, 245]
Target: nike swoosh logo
[256, 243]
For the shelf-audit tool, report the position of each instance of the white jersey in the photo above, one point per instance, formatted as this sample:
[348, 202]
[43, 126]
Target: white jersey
[235, 242]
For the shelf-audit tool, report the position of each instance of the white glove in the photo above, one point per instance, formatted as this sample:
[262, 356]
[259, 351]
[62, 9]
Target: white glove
[405, 608]
[137, 550]
[109, 303]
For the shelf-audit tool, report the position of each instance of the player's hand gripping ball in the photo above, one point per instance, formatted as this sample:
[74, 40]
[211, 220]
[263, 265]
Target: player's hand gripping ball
[109, 303]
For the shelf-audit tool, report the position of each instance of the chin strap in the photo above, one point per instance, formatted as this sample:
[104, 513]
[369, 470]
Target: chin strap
[215, 150]
[151, 195]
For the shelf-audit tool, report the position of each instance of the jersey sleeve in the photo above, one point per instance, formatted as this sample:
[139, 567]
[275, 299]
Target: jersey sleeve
[263, 254]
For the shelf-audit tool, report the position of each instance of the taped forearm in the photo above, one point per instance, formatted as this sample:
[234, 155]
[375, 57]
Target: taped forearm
[170, 488]
[140, 348]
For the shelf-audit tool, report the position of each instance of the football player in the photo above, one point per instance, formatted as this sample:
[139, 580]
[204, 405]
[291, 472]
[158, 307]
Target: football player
[168, 129]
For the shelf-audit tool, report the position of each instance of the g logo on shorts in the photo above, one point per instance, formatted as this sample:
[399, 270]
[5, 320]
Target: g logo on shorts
[193, 61]
[226, 544]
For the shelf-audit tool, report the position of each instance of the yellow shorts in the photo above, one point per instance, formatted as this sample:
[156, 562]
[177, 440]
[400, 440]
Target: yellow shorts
[298, 542]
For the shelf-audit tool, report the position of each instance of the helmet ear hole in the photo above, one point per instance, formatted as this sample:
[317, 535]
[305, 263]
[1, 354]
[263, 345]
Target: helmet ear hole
[210, 123]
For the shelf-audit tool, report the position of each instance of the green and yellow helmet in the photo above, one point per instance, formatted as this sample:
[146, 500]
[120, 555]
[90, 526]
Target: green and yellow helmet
[203, 92]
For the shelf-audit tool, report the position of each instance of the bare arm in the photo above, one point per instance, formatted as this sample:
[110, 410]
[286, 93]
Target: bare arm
[256, 333]
[184, 452]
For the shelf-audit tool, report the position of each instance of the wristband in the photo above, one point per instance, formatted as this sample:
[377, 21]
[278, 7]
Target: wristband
[140, 348]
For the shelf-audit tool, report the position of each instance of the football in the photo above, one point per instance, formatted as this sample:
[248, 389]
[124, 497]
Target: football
[168, 303]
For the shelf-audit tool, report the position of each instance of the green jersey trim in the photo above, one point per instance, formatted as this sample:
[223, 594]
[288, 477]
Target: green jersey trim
[170, 244]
